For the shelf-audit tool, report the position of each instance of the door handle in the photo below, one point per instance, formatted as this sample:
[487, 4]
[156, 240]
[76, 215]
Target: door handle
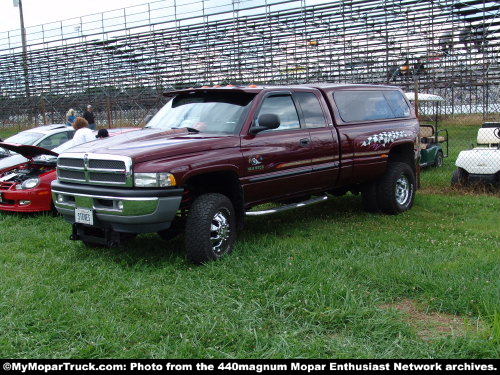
[304, 142]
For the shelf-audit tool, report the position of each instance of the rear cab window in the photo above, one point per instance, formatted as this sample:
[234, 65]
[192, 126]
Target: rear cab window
[312, 112]
[370, 105]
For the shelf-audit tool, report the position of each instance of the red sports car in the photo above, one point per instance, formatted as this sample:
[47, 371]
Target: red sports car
[26, 187]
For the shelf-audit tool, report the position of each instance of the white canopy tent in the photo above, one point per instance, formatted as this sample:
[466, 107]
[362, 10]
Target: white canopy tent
[424, 97]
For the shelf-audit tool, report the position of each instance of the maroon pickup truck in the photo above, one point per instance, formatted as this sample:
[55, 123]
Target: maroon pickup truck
[211, 154]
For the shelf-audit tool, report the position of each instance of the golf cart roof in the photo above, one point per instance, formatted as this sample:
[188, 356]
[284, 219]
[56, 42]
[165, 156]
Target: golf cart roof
[422, 97]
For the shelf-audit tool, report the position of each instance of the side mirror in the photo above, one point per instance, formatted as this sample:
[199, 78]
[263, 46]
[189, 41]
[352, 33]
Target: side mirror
[266, 121]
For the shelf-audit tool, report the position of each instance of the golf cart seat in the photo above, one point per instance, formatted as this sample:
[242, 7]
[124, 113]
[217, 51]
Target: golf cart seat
[488, 135]
[427, 136]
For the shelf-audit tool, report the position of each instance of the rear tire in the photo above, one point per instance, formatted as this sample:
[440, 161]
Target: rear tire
[460, 177]
[210, 228]
[439, 159]
[369, 198]
[396, 189]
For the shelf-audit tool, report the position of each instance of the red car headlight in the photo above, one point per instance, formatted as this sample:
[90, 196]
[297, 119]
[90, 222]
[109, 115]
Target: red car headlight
[30, 183]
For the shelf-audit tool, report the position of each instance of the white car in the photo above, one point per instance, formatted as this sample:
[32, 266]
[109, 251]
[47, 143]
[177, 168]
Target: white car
[482, 163]
[48, 136]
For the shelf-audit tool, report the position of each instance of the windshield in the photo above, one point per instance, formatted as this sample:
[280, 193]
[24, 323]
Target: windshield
[23, 138]
[220, 113]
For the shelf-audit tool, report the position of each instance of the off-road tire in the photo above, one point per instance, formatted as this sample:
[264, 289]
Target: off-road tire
[439, 159]
[388, 187]
[369, 197]
[459, 177]
[198, 232]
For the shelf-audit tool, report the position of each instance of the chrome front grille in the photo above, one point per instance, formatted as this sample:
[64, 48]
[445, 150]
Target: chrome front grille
[70, 175]
[67, 162]
[107, 164]
[107, 177]
[97, 169]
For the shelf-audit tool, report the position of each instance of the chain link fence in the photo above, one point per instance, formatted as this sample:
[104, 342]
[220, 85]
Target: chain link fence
[122, 61]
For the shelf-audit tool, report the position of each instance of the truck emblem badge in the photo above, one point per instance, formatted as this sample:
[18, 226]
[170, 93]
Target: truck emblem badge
[256, 160]
[86, 161]
[255, 163]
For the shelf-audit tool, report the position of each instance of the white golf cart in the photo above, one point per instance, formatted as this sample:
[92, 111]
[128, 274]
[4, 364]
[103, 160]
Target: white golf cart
[482, 163]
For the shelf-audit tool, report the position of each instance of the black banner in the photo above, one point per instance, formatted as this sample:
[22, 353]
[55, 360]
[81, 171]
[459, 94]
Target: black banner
[298, 366]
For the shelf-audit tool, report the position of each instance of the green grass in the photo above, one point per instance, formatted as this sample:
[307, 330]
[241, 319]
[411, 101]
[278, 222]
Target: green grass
[5, 133]
[306, 283]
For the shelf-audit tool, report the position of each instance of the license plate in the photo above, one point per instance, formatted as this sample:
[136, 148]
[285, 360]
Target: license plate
[84, 216]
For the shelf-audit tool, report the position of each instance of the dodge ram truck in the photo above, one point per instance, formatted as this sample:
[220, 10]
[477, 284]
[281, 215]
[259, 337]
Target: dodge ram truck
[211, 154]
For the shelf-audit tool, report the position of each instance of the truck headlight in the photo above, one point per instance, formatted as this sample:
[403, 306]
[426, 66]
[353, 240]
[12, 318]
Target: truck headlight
[30, 183]
[154, 179]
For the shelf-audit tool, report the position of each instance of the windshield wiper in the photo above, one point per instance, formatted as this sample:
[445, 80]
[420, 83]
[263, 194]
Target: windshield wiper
[191, 130]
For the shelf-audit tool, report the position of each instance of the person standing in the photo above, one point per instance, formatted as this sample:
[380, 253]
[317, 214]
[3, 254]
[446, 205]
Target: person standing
[89, 116]
[83, 134]
[70, 117]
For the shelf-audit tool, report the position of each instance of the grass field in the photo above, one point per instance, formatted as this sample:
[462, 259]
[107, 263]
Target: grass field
[323, 281]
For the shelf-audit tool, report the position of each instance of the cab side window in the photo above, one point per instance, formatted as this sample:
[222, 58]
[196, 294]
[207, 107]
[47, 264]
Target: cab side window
[283, 106]
[357, 106]
[311, 109]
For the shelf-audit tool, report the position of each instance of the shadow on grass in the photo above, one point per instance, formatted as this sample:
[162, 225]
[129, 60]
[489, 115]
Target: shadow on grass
[150, 249]
[344, 209]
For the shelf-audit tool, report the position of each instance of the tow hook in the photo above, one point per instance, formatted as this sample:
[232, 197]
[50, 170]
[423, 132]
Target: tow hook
[99, 236]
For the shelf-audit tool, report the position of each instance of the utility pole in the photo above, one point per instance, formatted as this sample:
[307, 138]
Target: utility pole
[19, 4]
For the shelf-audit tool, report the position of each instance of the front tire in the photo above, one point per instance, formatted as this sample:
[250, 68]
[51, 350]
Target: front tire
[210, 228]
[396, 189]
[459, 177]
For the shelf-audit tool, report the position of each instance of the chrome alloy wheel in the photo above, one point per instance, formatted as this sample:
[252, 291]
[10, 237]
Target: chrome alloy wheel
[403, 190]
[220, 231]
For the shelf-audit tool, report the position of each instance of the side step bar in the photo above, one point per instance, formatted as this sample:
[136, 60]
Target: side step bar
[288, 206]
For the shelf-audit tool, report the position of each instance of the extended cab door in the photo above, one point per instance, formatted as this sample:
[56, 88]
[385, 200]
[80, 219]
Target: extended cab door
[370, 121]
[278, 162]
[324, 140]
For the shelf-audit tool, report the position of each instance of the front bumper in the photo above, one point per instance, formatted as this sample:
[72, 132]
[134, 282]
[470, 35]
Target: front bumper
[39, 200]
[483, 178]
[122, 210]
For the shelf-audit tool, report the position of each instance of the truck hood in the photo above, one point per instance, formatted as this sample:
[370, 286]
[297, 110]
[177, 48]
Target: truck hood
[29, 152]
[151, 144]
